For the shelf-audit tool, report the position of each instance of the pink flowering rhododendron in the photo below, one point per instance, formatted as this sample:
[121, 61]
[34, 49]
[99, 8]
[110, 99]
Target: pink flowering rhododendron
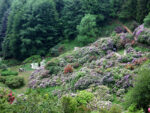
[149, 109]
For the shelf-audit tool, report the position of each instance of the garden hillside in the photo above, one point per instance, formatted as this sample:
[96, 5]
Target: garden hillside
[74, 56]
[111, 75]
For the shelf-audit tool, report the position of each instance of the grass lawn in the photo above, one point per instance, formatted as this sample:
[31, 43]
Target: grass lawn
[25, 75]
[143, 49]
[121, 52]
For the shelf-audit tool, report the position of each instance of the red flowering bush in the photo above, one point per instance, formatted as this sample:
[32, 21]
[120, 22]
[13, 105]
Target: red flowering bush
[129, 66]
[11, 98]
[68, 69]
[6, 95]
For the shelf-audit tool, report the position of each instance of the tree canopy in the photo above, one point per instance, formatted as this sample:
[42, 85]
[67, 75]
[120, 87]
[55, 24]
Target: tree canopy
[29, 27]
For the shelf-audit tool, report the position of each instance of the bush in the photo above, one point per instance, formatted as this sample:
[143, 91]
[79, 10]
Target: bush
[8, 73]
[69, 104]
[2, 79]
[3, 66]
[84, 97]
[14, 82]
[56, 50]
[68, 69]
[78, 76]
[34, 58]
[5, 106]
[126, 59]
[133, 109]
[53, 67]
[54, 70]
[115, 109]
[11, 62]
[147, 21]
[144, 37]
[139, 94]
[36, 102]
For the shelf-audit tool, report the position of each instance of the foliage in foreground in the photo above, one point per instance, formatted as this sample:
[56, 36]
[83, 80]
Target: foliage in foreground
[139, 94]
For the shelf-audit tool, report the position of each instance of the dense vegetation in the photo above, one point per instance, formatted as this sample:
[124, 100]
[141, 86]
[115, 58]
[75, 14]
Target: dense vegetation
[74, 56]
[29, 27]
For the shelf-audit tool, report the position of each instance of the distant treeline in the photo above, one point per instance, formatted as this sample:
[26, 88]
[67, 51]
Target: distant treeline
[29, 27]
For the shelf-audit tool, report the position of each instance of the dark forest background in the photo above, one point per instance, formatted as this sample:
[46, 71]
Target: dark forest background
[33, 27]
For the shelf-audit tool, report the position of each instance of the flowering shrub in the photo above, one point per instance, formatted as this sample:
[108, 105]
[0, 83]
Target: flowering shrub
[78, 76]
[75, 65]
[139, 61]
[125, 59]
[144, 37]
[122, 39]
[68, 69]
[129, 66]
[6, 99]
[5, 102]
[11, 98]
[149, 110]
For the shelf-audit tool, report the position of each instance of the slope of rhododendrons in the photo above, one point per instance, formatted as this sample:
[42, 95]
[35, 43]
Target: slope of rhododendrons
[99, 63]
[96, 65]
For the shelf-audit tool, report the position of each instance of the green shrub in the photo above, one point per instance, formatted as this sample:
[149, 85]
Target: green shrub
[83, 109]
[5, 107]
[56, 50]
[78, 76]
[147, 21]
[3, 66]
[104, 110]
[84, 97]
[11, 62]
[52, 66]
[126, 59]
[117, 40]
[2, 79]
[95, 112]
[34, 58]
[115, 109]
[35, 102]
[139, 94]
[14, 82]
[8, 73]
[69, 104]
[144, 37]
[133, 109]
